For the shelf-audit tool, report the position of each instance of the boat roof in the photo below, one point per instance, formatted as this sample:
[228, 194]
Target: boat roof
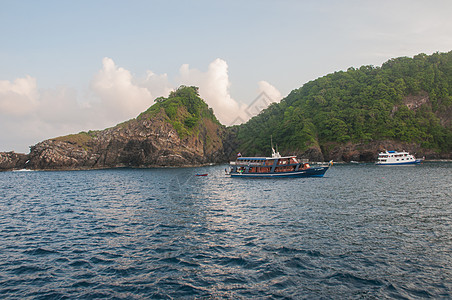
[392, 151]
[264, 158]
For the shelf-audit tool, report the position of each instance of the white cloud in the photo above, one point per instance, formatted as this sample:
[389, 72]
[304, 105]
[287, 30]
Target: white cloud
[18, 98]
[29, 115]
[213, 88]
[273, 93]
[267, 94]
[117, 92]
[157, 85]
[60, 107]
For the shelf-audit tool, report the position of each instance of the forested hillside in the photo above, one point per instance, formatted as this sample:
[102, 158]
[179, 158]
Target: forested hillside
[407, 101]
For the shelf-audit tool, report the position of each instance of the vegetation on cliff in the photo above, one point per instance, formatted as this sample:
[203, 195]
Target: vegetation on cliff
[83, 139]
[406, 99]
[184, 110]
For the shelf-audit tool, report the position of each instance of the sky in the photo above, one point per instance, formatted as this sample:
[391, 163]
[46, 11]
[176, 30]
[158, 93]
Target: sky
[71, 66]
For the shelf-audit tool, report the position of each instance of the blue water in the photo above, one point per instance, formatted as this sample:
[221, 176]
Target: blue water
[362, 231]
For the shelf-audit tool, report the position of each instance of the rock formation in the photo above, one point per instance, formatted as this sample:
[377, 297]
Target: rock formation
[12, 160]
[152, 139]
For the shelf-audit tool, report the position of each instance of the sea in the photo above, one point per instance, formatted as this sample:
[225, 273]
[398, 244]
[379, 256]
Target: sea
[361, 232]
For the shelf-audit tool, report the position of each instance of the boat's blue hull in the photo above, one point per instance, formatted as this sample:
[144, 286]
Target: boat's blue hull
[415, 162]
[311, 172]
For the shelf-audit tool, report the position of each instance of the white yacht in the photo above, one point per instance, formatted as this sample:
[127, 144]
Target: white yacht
[396, 158]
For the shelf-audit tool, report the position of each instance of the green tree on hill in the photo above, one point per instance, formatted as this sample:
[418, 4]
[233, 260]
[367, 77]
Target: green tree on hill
[361, 105]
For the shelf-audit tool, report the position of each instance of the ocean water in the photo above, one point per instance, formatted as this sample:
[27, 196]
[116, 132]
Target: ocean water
[361, 232]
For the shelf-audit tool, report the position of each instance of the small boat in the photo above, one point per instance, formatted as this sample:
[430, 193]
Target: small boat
[204, 174]
[275, 166]
[397, 158]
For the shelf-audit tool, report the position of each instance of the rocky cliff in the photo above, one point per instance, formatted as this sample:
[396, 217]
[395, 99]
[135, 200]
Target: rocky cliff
[176, 131]
[12, 160]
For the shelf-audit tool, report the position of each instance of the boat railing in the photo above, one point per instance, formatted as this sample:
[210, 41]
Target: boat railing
[246, 163]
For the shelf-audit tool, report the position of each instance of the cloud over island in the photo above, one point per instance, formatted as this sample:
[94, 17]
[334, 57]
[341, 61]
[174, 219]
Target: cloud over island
[29, 114]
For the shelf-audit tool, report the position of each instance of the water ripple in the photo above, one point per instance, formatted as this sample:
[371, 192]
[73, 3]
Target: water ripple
[360, 232]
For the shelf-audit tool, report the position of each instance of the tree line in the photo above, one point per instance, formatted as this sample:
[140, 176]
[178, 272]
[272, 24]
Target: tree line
[361, 105]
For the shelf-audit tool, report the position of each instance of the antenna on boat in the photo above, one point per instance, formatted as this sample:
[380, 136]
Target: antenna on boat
[273, 149]
[274, 153]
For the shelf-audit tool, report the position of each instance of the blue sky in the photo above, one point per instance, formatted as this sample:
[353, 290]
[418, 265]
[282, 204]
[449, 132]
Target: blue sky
[67, 66]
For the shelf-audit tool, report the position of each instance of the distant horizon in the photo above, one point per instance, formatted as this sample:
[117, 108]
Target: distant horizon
[79, 66]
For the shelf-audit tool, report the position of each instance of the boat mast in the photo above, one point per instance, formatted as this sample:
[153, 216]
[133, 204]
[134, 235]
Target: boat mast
[275, 154]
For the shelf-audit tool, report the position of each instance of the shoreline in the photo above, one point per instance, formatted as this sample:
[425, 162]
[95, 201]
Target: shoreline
[189, 166]
[112, 168]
